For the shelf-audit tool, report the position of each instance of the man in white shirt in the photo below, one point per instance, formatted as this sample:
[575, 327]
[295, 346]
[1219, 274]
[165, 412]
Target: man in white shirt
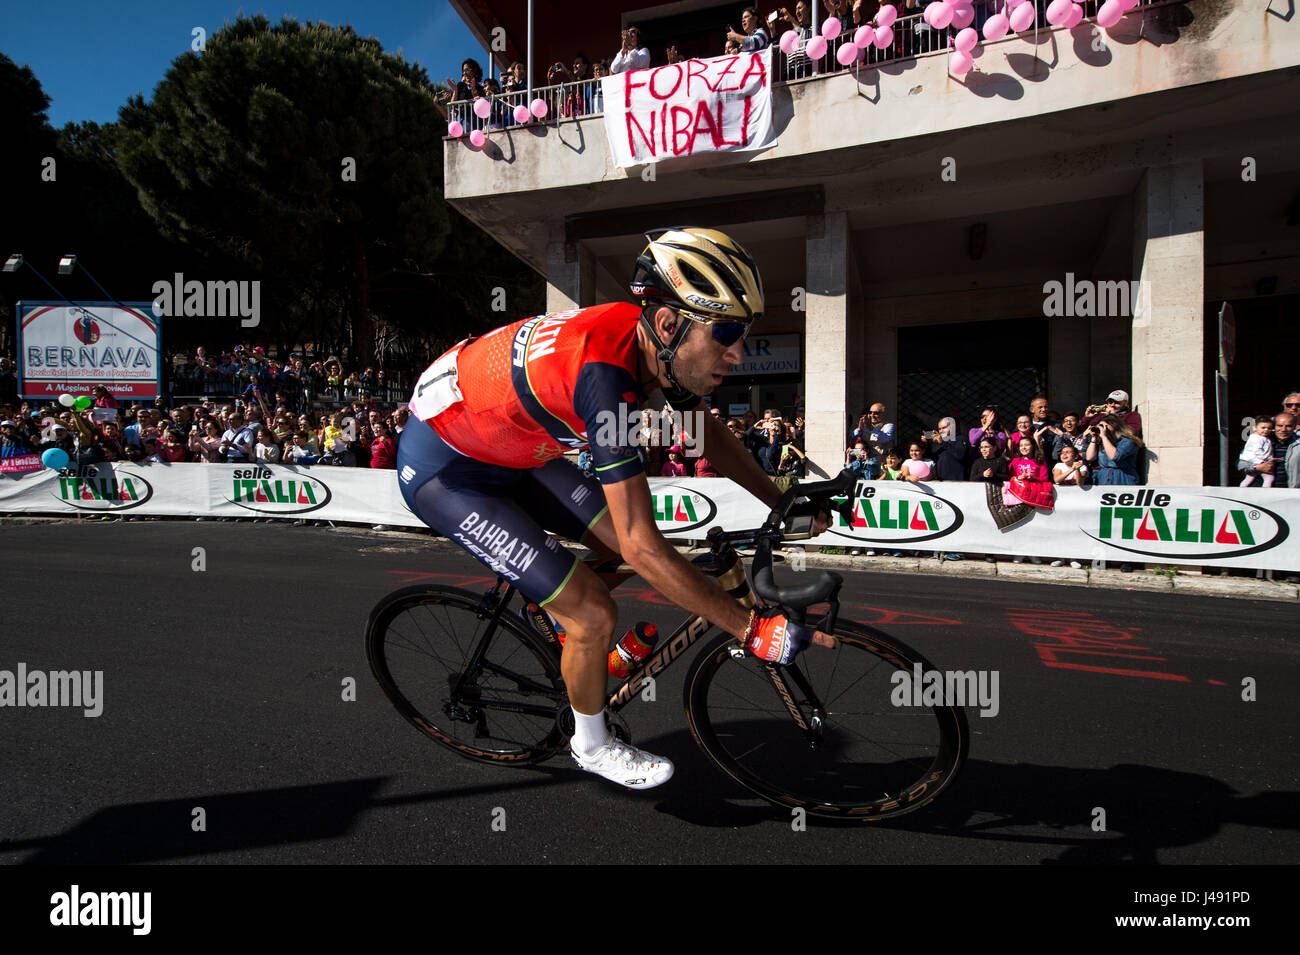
[632, 56]
[235, 442]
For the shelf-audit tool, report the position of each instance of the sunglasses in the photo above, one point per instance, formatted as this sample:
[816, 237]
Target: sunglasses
[1291, 404]
[725, 333]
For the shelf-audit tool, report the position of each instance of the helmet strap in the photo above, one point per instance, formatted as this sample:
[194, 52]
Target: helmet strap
[666, 353]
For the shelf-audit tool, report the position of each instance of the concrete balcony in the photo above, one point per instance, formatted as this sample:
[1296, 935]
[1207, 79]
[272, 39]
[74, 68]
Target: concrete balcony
[1060, 118]
[900, 202]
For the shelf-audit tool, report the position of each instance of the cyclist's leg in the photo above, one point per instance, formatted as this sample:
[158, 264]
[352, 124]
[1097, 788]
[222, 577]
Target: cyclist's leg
[575, 503]
[490, 511]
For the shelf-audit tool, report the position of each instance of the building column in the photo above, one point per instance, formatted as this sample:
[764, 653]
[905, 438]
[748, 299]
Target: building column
[1168, 322]
[570, 274]
[826, 343]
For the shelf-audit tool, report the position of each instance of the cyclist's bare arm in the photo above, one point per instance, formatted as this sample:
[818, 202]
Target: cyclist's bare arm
[656, 560]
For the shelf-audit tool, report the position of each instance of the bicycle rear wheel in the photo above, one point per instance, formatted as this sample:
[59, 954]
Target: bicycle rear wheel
[490, 690]
[872, 760]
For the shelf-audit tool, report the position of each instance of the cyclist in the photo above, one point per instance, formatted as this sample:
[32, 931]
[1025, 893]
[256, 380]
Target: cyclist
[486, 467]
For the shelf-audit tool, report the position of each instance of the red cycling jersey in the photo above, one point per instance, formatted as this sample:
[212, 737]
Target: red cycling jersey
[525, 393]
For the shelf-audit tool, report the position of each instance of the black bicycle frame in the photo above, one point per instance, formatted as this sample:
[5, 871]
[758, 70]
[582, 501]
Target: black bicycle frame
[683, 638]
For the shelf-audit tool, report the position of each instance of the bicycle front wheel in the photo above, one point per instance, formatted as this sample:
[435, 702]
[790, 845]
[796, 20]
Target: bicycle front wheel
[486, 688]
[856, 754]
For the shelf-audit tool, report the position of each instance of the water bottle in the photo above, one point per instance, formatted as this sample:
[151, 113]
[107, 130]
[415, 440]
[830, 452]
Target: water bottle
[632, 649]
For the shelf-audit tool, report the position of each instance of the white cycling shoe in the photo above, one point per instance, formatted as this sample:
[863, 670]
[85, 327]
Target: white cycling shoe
[626, 765]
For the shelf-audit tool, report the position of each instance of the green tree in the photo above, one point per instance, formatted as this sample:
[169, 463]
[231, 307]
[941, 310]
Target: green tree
[25, 225]
[247, 151]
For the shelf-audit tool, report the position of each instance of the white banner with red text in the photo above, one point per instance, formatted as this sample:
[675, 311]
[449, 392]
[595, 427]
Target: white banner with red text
[72, 349]
[715, 105]
[1211, 526]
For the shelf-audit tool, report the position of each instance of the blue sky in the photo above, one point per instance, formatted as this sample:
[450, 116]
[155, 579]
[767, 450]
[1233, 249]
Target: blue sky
[90, 56]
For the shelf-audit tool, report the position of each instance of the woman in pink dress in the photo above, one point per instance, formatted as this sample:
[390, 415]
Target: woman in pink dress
[1031, 482]
[674, 467]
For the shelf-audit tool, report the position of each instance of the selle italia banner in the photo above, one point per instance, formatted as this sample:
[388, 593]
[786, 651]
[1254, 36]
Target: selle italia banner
[1209, 526]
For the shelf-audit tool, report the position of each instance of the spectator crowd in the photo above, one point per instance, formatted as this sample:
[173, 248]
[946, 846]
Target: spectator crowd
[261, 413]
[570, 89]
[293, 381]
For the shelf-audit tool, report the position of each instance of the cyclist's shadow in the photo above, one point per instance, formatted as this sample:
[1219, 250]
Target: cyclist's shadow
[1143, 808]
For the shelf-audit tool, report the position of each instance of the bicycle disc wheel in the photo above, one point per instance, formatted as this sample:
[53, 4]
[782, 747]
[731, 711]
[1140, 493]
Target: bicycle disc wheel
[489, 690]
[872, 760]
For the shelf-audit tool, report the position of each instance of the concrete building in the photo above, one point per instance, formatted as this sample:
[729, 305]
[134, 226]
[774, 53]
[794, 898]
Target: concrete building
[909, 223]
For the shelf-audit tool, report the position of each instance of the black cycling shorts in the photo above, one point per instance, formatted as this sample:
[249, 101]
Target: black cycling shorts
[501, 515]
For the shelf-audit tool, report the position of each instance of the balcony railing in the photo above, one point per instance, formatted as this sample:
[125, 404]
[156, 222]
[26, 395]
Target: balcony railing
[913, 38]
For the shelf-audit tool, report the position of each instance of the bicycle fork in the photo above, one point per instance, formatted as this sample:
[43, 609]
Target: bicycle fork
[781, 678]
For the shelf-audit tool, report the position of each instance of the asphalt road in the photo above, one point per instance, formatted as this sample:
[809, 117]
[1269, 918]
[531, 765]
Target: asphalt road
[222, 692]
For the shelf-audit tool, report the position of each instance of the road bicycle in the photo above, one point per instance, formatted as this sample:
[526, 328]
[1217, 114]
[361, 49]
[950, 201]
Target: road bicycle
[824, 733]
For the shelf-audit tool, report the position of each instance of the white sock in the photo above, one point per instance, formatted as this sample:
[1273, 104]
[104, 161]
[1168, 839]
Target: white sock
[589, 732]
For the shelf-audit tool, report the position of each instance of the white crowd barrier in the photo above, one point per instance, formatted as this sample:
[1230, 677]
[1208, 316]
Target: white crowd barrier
[1210, 526]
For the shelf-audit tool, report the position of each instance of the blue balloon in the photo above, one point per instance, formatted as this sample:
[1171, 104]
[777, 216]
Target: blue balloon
[55, 458]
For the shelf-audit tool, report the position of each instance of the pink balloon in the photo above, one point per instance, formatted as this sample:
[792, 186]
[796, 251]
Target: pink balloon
[886, 16]
[884, 38]
[1074, 17]
[482, 108]
[1127, 5]
[831, 28]
[521, 114]
[966, 40]
[477, 139]
[847, 54]
[1012, 4]
[455, 130]
[995, 27]
[864, 37]
[789, 40]
[1023, 17]
[1109, 14]
[538, 107]
[1057, 11]
[943, 13]
[816, 48]
[959, 63]
[963, 15]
